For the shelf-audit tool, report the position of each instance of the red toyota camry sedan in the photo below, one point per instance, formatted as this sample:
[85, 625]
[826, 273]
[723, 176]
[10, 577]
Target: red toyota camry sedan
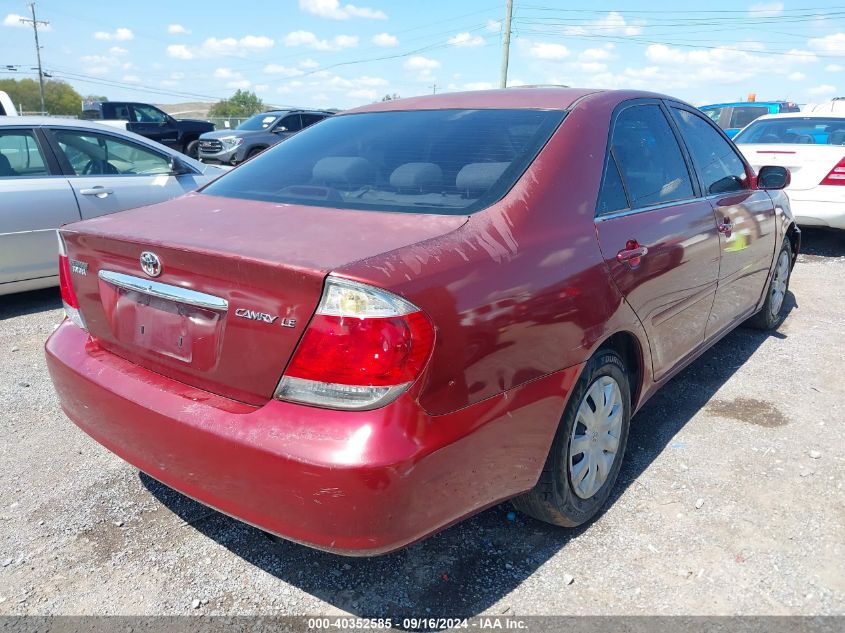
[417, 309]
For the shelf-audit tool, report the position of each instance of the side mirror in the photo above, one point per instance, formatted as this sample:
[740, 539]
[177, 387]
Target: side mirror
[170, 120]
[773, 177]
[280, 129]
[177, 167]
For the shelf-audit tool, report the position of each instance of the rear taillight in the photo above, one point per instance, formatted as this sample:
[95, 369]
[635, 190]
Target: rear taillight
[363, 348]
[836, 175]
[69, 300]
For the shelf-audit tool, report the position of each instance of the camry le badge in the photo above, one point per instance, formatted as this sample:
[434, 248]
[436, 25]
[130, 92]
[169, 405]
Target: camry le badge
[254, 315]
[150, 264]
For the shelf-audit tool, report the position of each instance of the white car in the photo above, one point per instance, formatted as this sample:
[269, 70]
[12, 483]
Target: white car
[812, 146]
[54, 171]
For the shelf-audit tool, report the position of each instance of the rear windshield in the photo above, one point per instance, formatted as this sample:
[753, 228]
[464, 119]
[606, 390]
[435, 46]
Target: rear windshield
[795, 131]
[259, 122]
[418, 161]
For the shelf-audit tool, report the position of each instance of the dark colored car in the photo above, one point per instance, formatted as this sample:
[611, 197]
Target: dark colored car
[151, 122]
[732, 117]
[419, 308]
[255, 135]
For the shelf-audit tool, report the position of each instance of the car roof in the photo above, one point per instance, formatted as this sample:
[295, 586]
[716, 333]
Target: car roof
[547, 98]
[35, 121]
[293, 111]
[800, 115]
[743, 103]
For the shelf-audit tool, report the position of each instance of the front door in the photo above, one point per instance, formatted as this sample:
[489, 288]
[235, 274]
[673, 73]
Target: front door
[658, 237]
[745, 219]
[110, 174]
[154, 124]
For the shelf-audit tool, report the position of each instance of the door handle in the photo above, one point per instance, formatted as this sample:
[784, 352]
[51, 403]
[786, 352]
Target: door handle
[632, 253]
[100, 192]
[726, 227]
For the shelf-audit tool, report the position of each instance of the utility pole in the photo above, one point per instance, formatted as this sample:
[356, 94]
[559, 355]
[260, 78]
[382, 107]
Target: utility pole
[35, 22]
[506, 44]
[434, 89]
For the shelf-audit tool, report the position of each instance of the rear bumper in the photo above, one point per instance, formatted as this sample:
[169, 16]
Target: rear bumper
[811, 212]
[358, 483]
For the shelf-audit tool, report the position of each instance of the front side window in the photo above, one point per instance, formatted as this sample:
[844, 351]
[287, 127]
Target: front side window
[98, 154]
[292, 123]
[649, 158]
[311, 119]
[716, 162]
[795, 131]
[743, 115]
[20, 155]
[148, 114]
[420, 161]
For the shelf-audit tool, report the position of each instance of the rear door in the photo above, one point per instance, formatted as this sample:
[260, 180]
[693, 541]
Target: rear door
[110, 174]
[34, 201]
[745, 218]
[657, 234]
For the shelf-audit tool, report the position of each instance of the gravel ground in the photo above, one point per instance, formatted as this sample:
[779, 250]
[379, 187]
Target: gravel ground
[730, 502]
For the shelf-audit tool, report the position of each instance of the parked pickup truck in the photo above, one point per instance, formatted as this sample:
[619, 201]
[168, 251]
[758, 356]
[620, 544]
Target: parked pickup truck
[147, 120]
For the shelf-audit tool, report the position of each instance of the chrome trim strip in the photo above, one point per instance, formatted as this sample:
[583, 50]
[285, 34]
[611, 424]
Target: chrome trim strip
[164, 291]
[653, 207]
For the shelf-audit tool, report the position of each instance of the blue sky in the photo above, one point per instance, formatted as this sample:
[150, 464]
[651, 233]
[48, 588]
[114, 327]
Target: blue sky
[329, 53]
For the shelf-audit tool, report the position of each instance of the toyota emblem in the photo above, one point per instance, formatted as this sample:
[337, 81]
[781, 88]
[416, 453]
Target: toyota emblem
[150, 264]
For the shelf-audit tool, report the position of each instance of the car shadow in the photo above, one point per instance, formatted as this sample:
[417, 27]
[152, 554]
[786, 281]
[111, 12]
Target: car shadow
[464, 570]
[820, 242]
[23, 303]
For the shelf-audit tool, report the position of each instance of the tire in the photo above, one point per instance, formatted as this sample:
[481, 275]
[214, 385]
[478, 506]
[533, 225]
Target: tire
[255, 151]
[192, 149]
[561, 496]
[772, 313]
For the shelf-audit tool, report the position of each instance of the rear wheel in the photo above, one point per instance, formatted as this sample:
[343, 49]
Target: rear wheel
[587, 450]
[774, 311]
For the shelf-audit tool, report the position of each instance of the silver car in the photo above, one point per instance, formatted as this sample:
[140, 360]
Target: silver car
[55, 171]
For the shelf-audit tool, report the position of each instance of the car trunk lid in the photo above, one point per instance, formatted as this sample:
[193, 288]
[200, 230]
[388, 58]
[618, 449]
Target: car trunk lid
[807, 164]
[239, 281]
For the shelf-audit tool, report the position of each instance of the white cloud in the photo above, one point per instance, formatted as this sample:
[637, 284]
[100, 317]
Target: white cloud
[834, 68]
[822, 90]
[796, 76]
[766, 9]
[591, 67]
[418, 62]
[371, 81]
[834, 43]
[494, 26]
[120, 35]
[132, 79]
[118, 50]
[467, 40]
[177, 29]
[385, 39]
[225, 47]
[177, 76]
[611, 24]
[225, 73]
[284, 71]
[368, 95]
[478, 85]
[333, 10]
[233, 79]
[596, 54]
[309, 40]
[308, 64]
[97, 71]
[14, 20]
[547, 50]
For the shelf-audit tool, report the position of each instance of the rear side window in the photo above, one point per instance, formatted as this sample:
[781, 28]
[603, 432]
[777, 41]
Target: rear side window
[612, 194]
[649, 158]
[20, 155]
[743, 115]
[716, 162]
[419, 161]
[311, 119]
[713, 113]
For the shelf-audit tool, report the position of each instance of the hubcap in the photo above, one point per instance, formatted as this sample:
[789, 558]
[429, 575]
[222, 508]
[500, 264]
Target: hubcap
[595, 436]
[779, 282]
